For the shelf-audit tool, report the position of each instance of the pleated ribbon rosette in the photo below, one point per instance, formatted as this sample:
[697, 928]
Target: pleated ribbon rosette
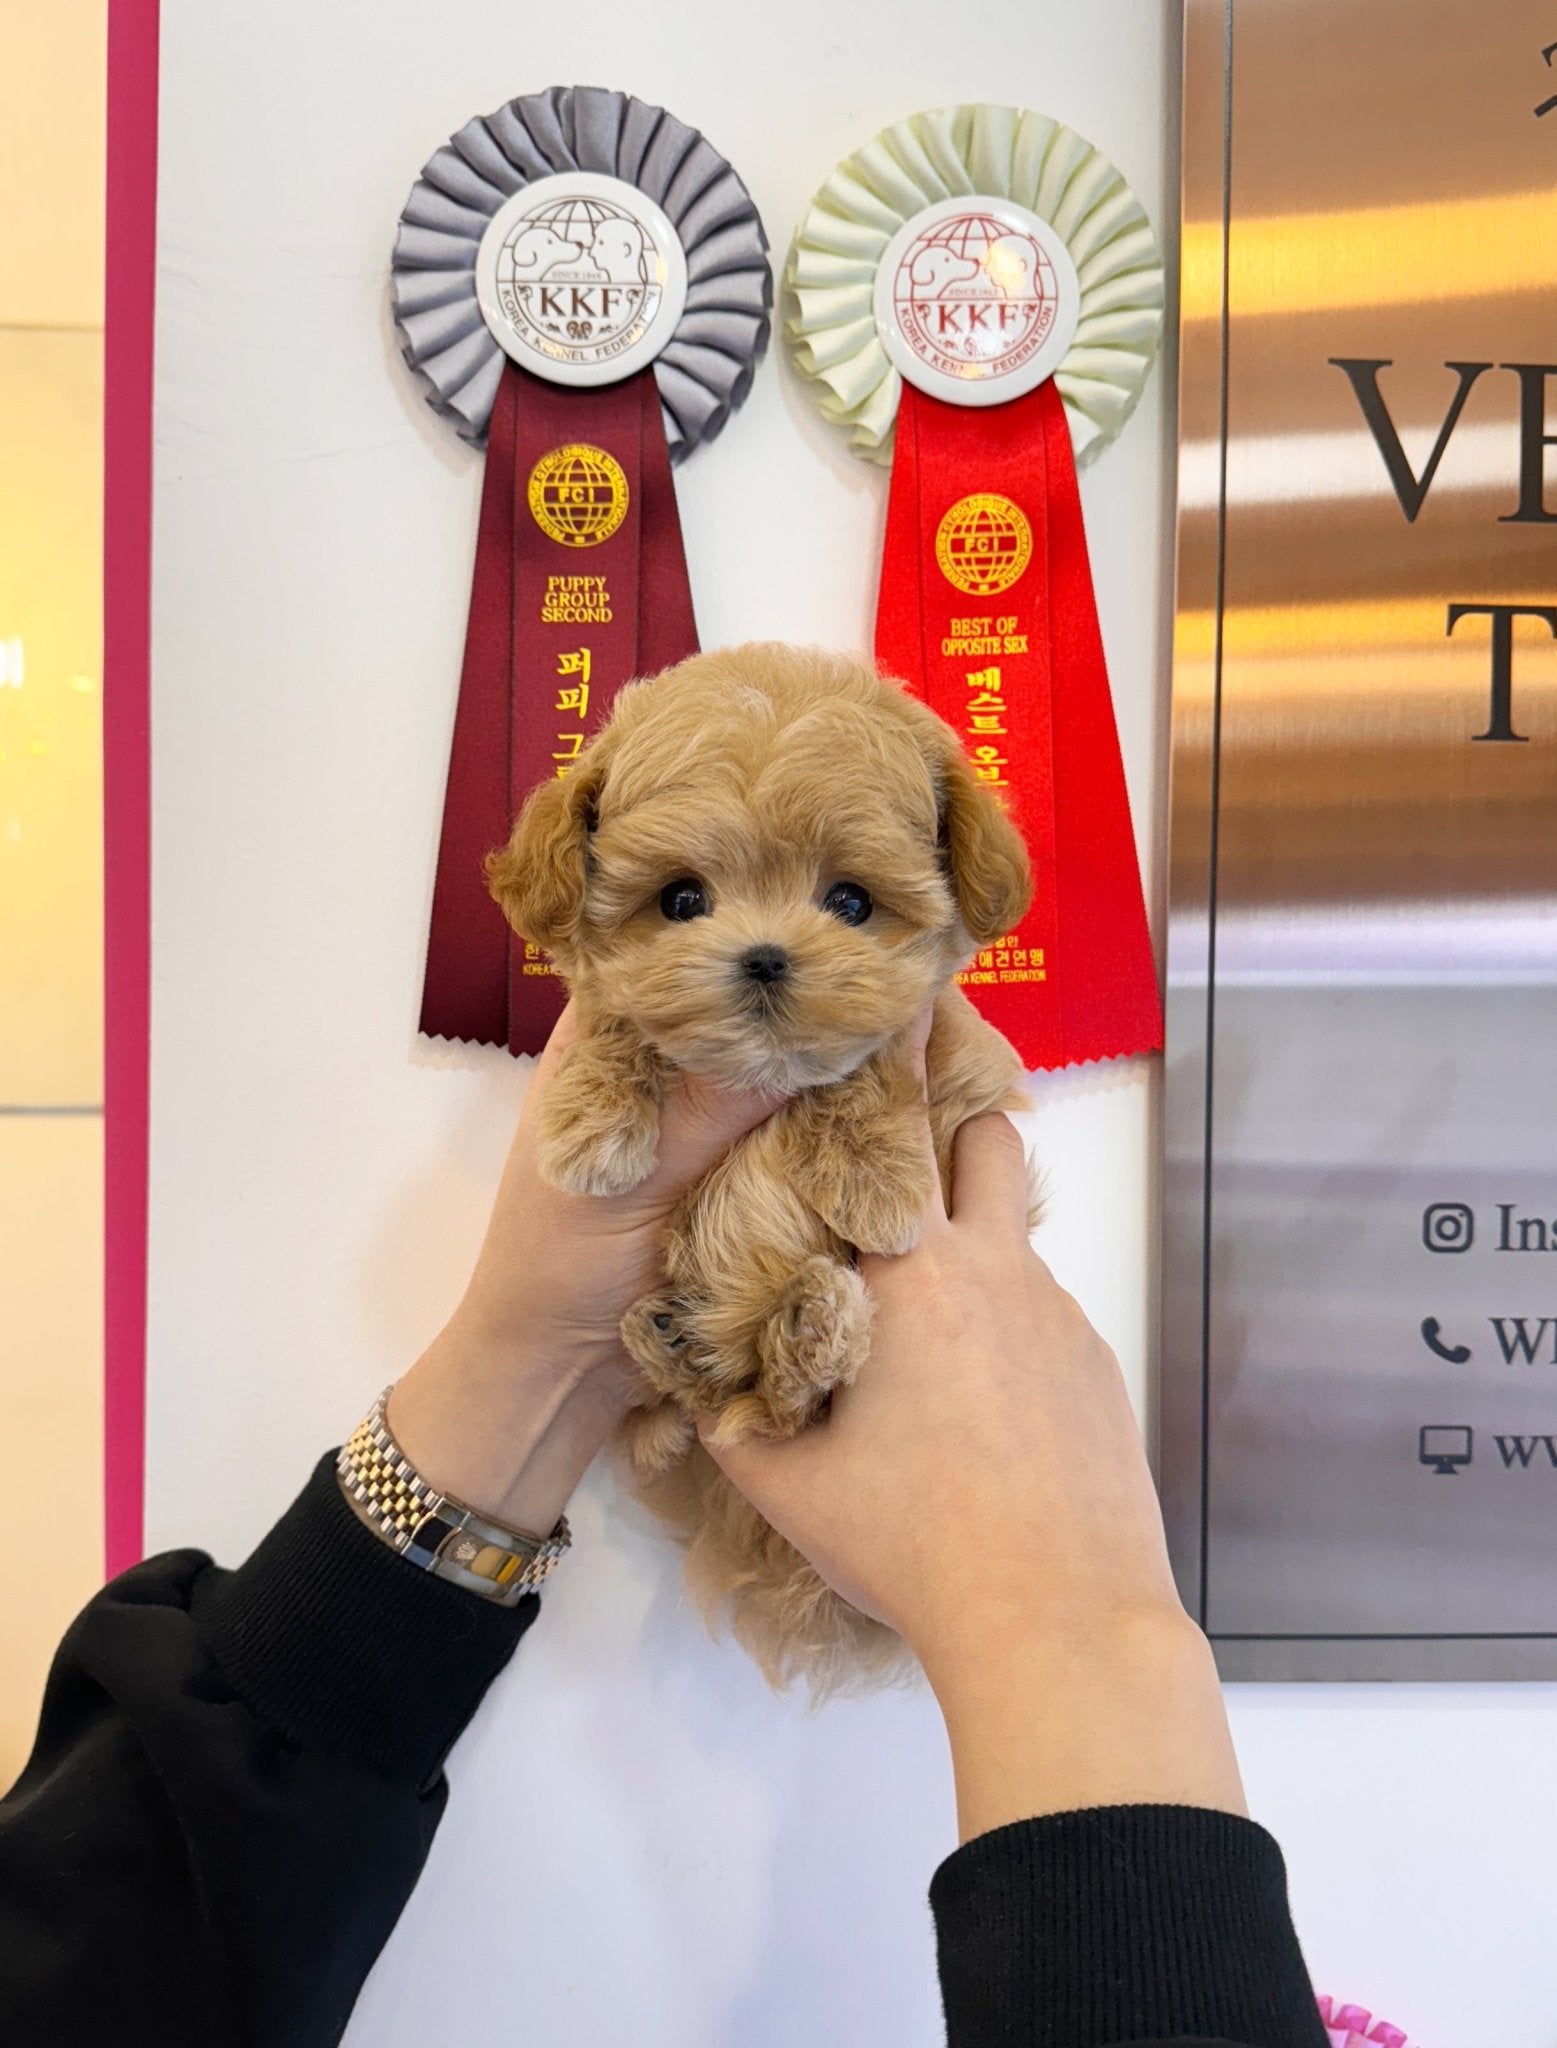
[976, 296]
[581, 282]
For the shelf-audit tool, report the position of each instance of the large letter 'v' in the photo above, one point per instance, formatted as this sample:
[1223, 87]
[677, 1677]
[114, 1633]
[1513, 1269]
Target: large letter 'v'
[1363, 374]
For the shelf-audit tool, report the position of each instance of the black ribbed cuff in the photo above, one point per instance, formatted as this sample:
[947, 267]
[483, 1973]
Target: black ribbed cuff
[1121, 1924]
[348, 1649]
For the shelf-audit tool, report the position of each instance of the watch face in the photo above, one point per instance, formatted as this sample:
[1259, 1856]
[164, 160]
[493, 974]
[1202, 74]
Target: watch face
[976, 300]
[581, 278]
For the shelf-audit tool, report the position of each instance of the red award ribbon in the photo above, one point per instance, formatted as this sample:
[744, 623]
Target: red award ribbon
[580, 584]
[987, 611]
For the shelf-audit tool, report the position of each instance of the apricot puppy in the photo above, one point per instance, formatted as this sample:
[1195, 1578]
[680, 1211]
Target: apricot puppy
[762, 870]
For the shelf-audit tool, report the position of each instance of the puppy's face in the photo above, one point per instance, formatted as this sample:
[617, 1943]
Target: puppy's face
[768, 863]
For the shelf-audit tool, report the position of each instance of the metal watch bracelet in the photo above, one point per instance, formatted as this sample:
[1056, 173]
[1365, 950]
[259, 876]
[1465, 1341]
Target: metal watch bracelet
[433, 1531]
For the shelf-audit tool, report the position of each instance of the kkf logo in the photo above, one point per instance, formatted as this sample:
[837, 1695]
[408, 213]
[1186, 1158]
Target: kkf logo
[579, 278]
[974, 292]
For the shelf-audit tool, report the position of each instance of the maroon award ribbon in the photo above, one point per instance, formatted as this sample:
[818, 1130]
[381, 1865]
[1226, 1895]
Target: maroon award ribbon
[582, 281]
[580, 584]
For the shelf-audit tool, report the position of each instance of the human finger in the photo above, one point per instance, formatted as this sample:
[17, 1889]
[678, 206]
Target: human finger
[769, 1474]
[989, 1174]
[918, 1053]
[563, 1034]
[699, 1121]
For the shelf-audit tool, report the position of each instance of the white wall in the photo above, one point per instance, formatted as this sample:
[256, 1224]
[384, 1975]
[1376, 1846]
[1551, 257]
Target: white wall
[642, 1845]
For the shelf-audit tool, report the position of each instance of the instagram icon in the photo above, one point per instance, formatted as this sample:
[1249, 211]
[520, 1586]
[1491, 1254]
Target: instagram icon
[1448, 1226]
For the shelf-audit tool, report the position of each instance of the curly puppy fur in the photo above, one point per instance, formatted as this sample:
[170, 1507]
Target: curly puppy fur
[766, 775]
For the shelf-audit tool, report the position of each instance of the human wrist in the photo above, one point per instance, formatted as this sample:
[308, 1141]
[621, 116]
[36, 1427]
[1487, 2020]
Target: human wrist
[1052, 1718]
[505, 1429]
[973, 1651]
[526, 1348]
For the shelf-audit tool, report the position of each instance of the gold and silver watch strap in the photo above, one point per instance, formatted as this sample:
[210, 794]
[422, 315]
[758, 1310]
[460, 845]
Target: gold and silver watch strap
[432, 1531]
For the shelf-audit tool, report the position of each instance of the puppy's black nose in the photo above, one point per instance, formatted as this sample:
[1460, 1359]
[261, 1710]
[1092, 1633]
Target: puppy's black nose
[765, 963]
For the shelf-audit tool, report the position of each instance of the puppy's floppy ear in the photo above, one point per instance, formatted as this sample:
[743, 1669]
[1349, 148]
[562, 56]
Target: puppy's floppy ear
[990, 875]
[538, 877]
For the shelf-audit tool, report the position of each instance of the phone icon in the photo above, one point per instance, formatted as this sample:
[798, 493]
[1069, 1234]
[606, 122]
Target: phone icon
[1432, 1337]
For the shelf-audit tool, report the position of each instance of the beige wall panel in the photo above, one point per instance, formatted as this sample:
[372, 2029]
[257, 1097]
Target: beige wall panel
[51, 1306]
[52, 58]
[51, 880]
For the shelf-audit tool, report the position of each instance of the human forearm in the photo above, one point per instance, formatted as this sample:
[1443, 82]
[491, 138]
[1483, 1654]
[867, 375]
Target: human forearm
[982, 1487]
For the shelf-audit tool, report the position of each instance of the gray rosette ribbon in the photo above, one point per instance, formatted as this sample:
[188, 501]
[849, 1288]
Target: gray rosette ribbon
[704, 372]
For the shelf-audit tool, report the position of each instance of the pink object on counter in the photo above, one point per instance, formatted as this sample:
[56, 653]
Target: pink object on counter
[1352, 2026]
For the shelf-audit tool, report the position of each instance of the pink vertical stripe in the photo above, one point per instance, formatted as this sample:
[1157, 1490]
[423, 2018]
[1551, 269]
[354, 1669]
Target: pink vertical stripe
[127, 455]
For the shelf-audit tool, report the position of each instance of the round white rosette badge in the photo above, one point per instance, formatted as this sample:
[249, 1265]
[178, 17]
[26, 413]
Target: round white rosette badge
[976, 301]
[581, 281]
[976, 296]
[581, 278]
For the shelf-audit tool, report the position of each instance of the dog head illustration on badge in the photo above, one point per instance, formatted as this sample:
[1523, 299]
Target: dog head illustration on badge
[581, 278]
[976, 300]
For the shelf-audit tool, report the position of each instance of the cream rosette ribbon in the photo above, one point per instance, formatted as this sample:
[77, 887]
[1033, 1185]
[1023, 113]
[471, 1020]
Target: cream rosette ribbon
[996, 152]
[977, 297]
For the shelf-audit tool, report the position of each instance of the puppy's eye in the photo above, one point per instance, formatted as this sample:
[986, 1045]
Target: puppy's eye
[682, 901]
[848, 902]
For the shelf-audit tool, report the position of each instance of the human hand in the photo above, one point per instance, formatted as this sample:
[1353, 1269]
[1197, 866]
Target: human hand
[985, 1470]
[510, 1402]
[983, 1489]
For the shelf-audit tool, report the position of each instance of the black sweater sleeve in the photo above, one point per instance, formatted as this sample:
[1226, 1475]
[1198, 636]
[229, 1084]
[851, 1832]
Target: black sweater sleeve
[1122, 1927]
[235, 1783]
[238, 1774]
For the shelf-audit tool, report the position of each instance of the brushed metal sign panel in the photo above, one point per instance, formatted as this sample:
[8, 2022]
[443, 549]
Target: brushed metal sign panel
[1359, 1413]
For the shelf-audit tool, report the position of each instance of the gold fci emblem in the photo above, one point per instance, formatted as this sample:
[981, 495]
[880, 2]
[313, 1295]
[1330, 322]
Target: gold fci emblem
[984, 544]
[578, 495]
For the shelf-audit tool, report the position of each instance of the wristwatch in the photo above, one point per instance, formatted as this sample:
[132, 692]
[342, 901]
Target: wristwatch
[432, 1530]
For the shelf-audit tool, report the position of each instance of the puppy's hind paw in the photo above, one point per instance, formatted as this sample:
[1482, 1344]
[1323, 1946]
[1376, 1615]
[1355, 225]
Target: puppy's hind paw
[814, 1339]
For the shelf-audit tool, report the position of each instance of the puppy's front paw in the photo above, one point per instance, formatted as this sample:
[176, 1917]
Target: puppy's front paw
[599, 1127]
[889, 1216]
[882, 1208]
[588, 1158]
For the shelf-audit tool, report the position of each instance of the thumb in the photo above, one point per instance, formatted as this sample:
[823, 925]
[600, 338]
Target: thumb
[795, 1486]
[700, 1121]
[771, 1475]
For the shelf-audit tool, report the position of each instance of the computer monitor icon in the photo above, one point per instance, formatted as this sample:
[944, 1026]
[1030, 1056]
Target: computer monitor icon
[1446, 1446]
